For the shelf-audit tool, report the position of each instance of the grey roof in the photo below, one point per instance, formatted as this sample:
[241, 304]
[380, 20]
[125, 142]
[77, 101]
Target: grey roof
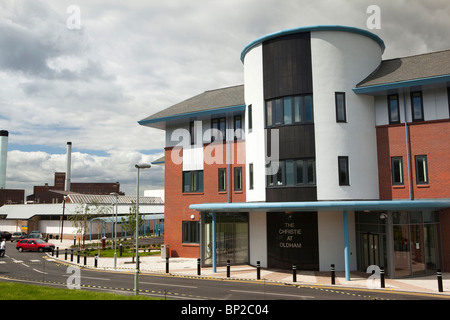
[27, 211]
[206, 101]
[421, 66]
[108, 199]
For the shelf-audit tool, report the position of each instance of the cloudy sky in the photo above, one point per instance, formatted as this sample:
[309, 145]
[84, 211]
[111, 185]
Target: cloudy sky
[89, 80]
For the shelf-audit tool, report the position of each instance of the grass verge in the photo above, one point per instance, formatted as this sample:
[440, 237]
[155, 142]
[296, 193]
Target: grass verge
[19, 291]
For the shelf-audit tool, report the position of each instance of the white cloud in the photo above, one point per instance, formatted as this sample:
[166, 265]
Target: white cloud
[131, 59]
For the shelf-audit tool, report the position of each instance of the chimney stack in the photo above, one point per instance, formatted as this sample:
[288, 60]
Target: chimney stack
[68, 166]
[3, 155]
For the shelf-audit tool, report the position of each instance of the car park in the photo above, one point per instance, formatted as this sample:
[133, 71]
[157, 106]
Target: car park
[16, 236]
[34, 245]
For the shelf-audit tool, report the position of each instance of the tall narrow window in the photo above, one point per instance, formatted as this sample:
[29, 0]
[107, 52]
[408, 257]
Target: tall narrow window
[341, 114]
[448, 97]
[220, 132]
[238, 133]
[308, 112]
[421, 169]
[289, 172]
[393, 109]
[287, 110]
[417, 106]
[222, 179]
[238, 179]
[397, 170]
[269, 113]
[344, 179]
[250, 118]
[192, 132]
[250, 172]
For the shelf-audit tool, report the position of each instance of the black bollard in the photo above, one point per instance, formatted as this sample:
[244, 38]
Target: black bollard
[71, 255]
[228, 268]
[198, 266]
[78, 257]
[167, 265]
[120, 249]
[53, 252]
[74, 240]
[57, 252]
[96, 260]
[382, 277]
[439, 278]
[333, 275]
[294, 273]
[65, 254]
[258, 270]
[85, 257]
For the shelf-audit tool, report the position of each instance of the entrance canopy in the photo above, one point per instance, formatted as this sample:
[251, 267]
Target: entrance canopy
[339, 206]
[323, 206]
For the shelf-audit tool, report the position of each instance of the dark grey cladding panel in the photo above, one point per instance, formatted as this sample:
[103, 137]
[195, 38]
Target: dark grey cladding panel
[287, 66]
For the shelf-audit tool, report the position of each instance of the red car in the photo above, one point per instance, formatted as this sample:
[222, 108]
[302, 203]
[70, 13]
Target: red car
[34, 245]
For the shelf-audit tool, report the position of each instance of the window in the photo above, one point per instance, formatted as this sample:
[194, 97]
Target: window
[222, 179]
[417, 106]
[193, 181]
[191, 232]
[289, 110]
[192, 132]
[250, 170]
[238, 179]
[238, 132]
[295, 172]
[344, 179]
[341, 114]
[397, 170]
[250, 118]
[421, 169]
[220, 125]
[393, 109]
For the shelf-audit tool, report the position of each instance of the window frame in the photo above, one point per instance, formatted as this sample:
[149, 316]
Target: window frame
[345, 169]
[250, 117]
[251, 176]
[190, 231]
[413, 106]
[389, 99]
[417, 159]
[279, 179]
[194, 175]
[219, 122]
[238, 182]
[341, 109]
[400, 167]
[222, 175]
[301, 107]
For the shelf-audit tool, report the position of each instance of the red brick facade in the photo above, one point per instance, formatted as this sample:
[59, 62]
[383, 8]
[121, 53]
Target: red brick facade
[429, 138]
[177, 203]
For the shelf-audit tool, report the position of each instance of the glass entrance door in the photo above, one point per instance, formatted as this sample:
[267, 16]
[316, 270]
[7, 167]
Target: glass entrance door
[371, 249]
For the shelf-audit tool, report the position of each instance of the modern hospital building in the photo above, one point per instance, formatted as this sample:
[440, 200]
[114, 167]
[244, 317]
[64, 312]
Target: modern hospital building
[326, 154]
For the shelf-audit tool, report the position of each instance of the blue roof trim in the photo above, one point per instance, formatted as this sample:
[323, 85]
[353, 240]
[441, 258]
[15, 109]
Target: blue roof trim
[363, 32]
[402, 84]
[323, 205]
[193, 114]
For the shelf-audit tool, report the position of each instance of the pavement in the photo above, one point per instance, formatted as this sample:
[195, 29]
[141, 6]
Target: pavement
[187, 267]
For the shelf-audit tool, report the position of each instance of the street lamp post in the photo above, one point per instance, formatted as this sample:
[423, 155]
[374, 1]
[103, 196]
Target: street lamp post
[62, 221]
[136, 274]
[115, 228]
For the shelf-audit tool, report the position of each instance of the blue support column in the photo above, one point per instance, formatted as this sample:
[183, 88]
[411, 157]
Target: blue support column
[346, 247]
[214, 258]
